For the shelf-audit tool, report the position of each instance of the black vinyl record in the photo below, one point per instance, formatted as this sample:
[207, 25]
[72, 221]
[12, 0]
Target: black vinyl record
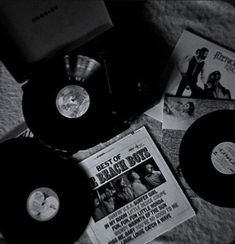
[207, 157]
[67, 104]
[44, 198]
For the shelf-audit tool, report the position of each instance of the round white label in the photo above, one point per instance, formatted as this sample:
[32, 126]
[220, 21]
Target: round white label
[223, 158]
[43, 204]
[72, 101]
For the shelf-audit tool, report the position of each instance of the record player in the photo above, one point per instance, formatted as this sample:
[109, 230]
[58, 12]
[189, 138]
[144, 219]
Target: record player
[84, 82]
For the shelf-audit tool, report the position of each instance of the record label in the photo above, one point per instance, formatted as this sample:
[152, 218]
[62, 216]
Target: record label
[223, 157]
[72, 101]
[43, 204]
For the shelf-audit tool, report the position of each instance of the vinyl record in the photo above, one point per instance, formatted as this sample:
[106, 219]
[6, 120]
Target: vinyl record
[44, 198]
[67, 105]
[207, 157]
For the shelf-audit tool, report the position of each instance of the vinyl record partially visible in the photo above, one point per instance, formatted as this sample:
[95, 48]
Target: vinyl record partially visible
[44, 198]
[67, 105]
[207, 157]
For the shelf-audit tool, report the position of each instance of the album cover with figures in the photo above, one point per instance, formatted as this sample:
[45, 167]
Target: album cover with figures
[198, 68]
[136, 197]
[179, 113]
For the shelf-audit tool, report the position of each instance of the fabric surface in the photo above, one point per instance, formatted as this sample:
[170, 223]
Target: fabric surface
[162, 22]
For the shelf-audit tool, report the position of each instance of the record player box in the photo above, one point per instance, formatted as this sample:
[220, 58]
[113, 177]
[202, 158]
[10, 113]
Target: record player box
[34, 31]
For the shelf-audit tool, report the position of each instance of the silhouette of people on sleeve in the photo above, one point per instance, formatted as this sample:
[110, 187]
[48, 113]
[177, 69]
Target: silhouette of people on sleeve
[213, 88]
[190, 77]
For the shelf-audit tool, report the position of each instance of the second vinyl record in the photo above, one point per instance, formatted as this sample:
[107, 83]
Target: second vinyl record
[207, 157]
[66, 104]
[44, 198]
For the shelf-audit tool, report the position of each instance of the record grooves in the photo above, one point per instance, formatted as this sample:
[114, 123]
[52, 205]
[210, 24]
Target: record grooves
[207, 157]
[44, 198]
[46, 115]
